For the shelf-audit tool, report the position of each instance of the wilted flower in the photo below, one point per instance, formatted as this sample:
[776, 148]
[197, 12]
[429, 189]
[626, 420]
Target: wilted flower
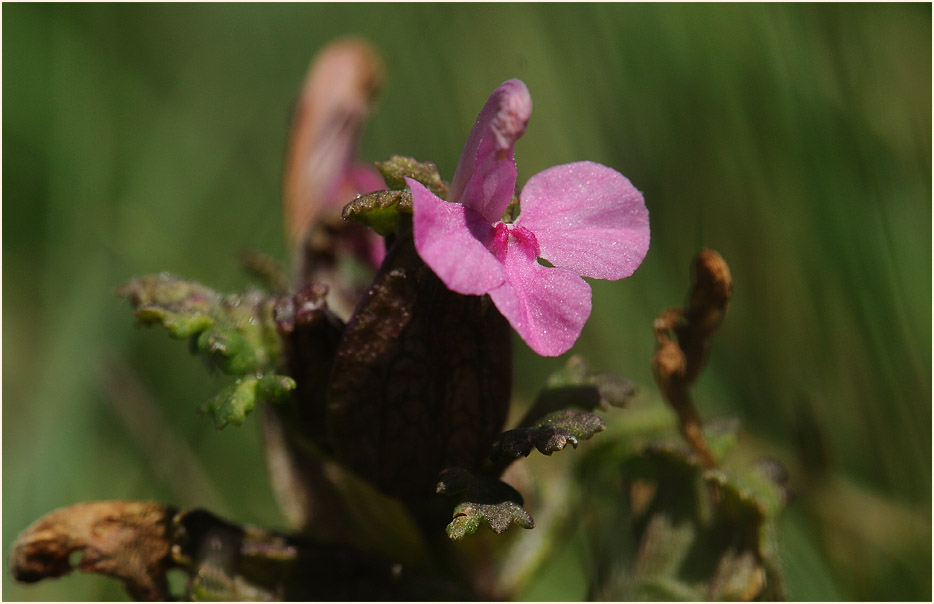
[322, 173]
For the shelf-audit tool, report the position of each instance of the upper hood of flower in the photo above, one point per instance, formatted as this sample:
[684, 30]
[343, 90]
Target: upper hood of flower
[485, 179]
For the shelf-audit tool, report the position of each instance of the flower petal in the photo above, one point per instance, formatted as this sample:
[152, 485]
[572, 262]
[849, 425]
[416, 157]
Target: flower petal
[587, 218]
[453, 240]
[485, 179]
[546, 306]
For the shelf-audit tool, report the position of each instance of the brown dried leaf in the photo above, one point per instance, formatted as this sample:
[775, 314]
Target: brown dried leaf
[126, 540]
[707, 306]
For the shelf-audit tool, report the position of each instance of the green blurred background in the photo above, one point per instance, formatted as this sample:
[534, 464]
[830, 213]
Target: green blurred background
[794, 139]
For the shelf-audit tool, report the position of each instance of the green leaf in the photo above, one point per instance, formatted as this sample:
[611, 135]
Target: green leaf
[721, 434]
[231, 405]
[398, 167]
[755, 498]
[180, 326]
[227, 348]
[468, 516]
[549, 425]
[481, 500]
[275, 388]
[707, 533]
[183, 307]
[666, 543]
[581, 424]
[236, 333]
[381, 210]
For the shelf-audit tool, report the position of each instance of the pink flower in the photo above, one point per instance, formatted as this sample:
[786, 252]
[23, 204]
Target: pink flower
[584, 219]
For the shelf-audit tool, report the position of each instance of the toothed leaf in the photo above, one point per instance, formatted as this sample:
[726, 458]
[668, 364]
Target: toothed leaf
[553, 433]
[575, 386]
[482, 500]
[232, 404]
[685, 509]
[180, 326]
[397, 168]
[183, 307]
[381, 210]
[236, 333]
[227, 348]
[274, 388]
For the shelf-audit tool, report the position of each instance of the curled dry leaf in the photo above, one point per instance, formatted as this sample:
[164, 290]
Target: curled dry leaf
[126, 540]
[677, 361]
[138, 542]
[709, 299]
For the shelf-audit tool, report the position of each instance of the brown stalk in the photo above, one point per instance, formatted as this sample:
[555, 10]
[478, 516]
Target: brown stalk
[683, 337]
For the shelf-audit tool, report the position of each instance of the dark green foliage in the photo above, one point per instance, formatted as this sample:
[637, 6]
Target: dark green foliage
[574, 385]
[481, 500]
[551, 434]
[702, 534]
[381, 211]
[548, 426]
[563, 412]
[398, 167]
